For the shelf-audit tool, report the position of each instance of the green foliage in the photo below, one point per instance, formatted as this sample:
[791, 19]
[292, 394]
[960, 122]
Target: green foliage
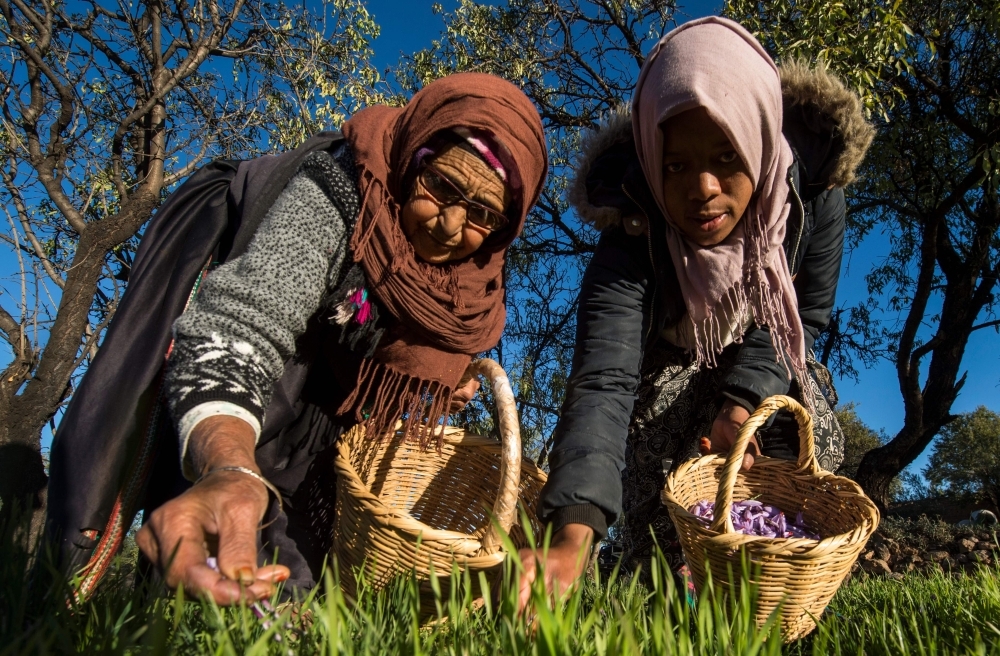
[318, 69]
[859, 40]
[930, 533]
[859, 439]
[966, 456]
[924, 533]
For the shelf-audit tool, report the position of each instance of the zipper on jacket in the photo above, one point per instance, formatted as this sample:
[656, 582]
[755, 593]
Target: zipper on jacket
[652, 262]
[802, 223]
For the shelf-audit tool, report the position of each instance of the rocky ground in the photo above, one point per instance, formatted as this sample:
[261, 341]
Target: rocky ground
[903, 545]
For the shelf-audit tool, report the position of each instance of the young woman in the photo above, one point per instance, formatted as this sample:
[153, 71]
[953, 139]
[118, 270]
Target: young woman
[370, 284]
[716, 270]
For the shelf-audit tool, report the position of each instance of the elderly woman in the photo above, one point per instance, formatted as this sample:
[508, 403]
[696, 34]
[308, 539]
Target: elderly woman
[722, 220]
[369, 285]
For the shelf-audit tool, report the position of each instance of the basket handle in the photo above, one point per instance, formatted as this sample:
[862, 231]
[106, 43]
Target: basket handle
[723, 522]
[505, 506]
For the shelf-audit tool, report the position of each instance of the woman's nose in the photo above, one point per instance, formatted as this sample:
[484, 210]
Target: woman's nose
[452, 219]
[704, 186]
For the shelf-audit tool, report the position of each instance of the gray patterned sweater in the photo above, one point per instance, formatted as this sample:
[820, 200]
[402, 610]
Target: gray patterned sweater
[231, 343]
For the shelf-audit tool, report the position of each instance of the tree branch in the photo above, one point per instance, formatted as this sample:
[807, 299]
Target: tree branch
[988, 324]
[10, 328]
[22, 213]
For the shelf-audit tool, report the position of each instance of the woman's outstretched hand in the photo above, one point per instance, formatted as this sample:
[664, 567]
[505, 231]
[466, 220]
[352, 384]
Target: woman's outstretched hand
[725, 428]
[563, 564]
[227, 507]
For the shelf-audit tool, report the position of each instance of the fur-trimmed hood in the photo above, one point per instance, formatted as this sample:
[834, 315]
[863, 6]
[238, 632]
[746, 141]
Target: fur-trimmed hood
[823, 122]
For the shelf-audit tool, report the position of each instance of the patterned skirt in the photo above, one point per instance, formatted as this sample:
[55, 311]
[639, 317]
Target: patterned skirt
[676, 405]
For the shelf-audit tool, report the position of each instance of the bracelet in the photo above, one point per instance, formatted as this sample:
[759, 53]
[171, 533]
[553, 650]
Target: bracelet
[249, 472]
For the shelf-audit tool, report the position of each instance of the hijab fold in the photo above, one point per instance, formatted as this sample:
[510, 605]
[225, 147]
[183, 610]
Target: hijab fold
[448, 312]
[716, 64]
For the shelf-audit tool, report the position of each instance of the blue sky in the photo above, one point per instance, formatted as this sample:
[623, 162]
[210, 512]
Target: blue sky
[407, 25]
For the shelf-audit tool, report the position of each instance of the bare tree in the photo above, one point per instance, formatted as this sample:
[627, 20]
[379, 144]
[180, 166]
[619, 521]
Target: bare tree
[105, 106]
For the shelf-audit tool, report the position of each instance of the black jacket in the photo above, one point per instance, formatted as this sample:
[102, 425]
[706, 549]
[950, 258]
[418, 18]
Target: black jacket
[630, 291]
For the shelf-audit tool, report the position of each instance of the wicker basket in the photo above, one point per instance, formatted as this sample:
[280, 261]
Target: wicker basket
[801, 573]
[402, 508]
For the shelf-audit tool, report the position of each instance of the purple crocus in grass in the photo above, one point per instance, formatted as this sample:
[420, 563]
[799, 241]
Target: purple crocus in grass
[752, 517]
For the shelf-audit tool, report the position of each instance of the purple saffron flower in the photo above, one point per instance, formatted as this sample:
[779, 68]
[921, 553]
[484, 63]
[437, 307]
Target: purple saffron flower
[752, 517]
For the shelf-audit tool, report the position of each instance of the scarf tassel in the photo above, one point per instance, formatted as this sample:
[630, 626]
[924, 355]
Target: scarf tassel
[710, 338]
[384, 396]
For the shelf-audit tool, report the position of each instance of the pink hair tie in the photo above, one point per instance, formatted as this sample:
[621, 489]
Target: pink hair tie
[493, 153]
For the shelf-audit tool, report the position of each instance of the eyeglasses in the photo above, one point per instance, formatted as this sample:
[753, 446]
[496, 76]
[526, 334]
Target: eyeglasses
[445, 192]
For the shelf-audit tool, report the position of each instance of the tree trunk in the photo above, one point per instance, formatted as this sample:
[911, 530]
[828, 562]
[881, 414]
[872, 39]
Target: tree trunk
[881, 466]
[23, 415]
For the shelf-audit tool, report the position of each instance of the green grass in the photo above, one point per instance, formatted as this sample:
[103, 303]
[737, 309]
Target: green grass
[923, 614]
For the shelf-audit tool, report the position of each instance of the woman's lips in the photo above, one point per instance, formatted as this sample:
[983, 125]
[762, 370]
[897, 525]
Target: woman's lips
[709, 223]
[440, 244]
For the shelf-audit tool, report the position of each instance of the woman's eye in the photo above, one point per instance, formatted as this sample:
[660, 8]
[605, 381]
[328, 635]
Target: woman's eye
[673, 167]
[729, 158]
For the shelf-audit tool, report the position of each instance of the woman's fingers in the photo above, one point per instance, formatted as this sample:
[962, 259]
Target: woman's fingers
[229, 507]
[465, 393]
[563, 564]
[708, 446]
[266, 579]
[146, 540]
[182, 552]
[238, 541]
[203, 580]
[273, 573]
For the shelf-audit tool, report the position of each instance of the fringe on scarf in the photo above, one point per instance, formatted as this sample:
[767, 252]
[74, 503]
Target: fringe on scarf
[384, 396]
[753, 296]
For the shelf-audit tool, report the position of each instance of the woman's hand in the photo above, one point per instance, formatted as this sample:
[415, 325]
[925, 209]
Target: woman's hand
[466, 391]
[563, 564]
[228, 507]
[725, 428]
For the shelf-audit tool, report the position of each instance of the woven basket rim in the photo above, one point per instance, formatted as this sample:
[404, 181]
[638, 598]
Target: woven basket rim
[458, 436]
[715, 461]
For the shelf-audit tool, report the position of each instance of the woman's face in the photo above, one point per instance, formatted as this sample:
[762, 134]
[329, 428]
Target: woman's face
[440, 233]
[706, 185]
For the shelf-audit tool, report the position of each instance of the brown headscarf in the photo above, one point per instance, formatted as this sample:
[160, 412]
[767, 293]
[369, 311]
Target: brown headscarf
[716, 64]
[447, 312]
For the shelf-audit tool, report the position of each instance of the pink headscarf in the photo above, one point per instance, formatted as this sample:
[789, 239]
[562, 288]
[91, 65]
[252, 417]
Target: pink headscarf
[716, 64]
